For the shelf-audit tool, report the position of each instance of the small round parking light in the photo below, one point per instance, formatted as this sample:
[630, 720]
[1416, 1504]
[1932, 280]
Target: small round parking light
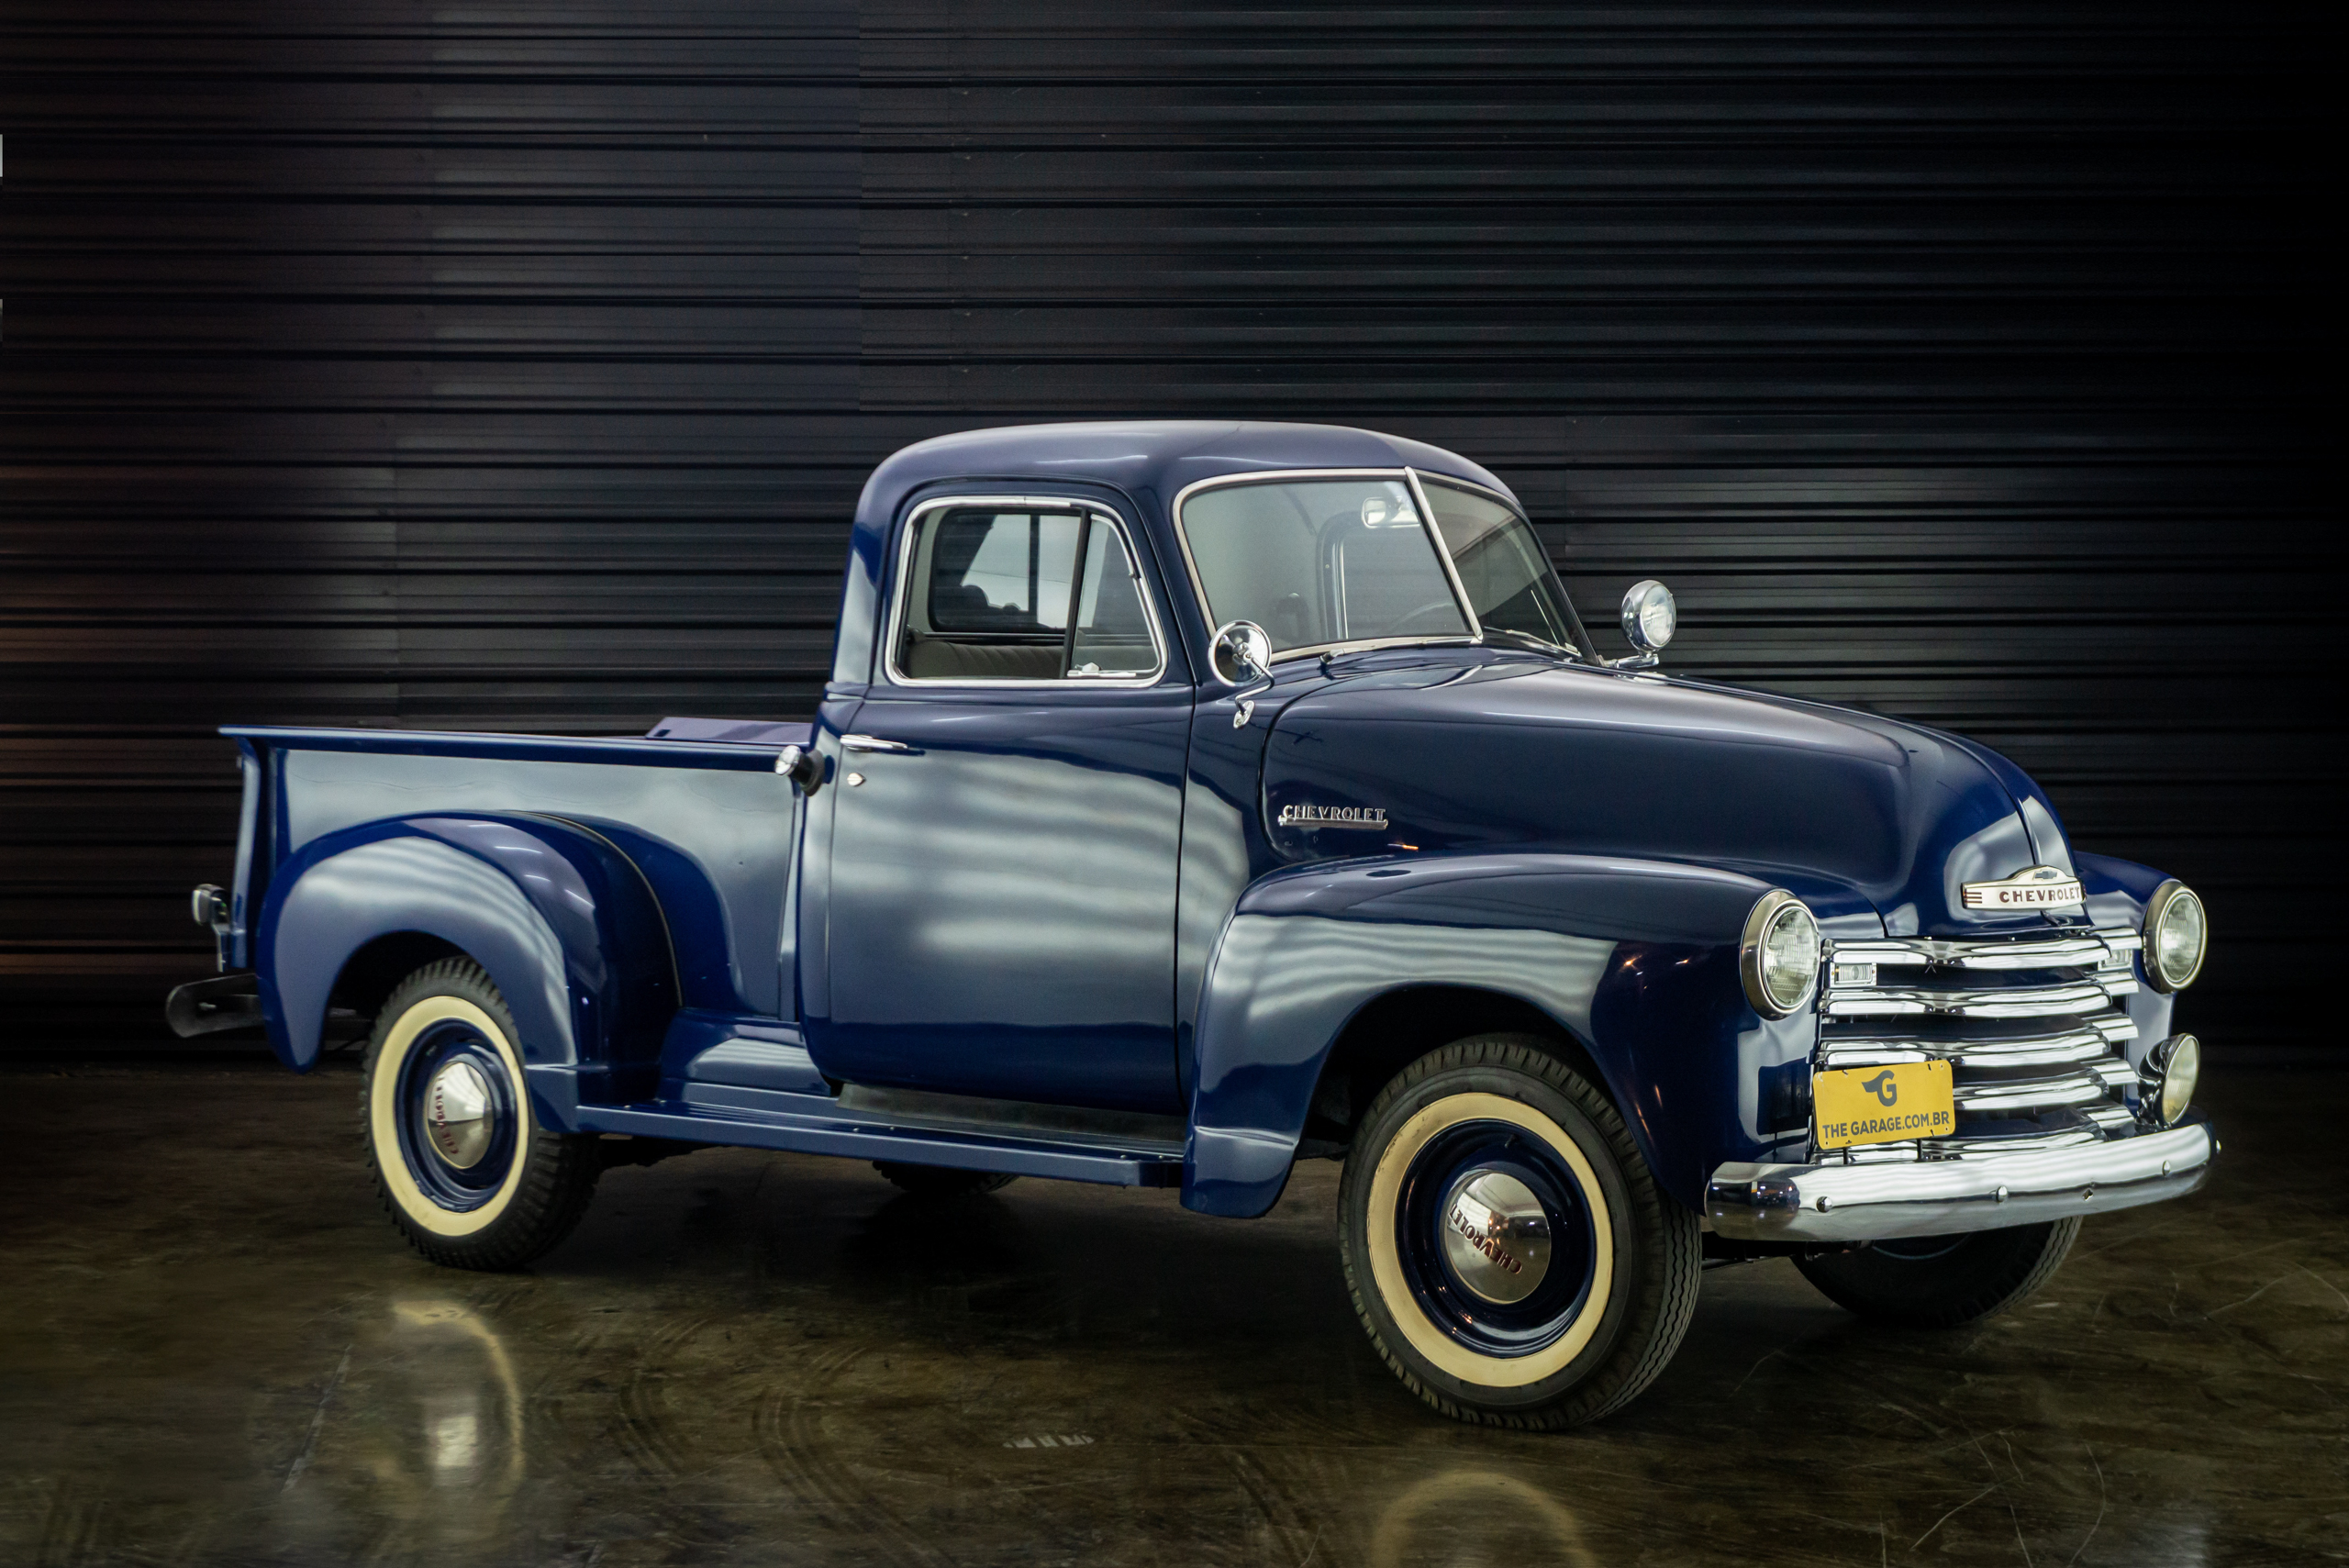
[1778, 955]
[2174, 1065]
[2176, 933]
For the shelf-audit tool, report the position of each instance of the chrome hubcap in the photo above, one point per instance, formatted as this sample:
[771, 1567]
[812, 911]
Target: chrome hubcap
[459, 1118]
[1495, 1236]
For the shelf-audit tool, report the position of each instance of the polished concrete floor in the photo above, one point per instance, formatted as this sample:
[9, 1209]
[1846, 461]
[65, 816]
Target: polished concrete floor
[213, 1348]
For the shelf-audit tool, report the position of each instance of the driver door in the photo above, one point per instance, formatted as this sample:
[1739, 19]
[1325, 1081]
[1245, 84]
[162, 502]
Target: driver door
[1009, 820]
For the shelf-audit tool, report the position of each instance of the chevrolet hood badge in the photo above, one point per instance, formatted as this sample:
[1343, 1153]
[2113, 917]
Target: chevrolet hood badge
[2041, 887]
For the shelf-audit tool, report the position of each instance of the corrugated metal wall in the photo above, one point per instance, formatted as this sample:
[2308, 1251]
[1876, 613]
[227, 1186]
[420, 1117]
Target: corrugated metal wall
[516, 367]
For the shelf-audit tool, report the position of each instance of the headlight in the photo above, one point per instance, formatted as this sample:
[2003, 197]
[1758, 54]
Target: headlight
[2175, 937]
[2173, 1066]
[1778, 956]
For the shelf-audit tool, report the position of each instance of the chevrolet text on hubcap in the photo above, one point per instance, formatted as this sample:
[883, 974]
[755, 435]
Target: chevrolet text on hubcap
[458, 1120]
[1495, 1236]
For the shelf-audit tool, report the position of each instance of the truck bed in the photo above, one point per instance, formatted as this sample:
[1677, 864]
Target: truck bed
[709, 822]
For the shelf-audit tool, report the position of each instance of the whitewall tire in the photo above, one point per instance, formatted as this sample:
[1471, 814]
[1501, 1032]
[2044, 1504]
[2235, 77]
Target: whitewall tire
[1508, 1250]
[464, 1170]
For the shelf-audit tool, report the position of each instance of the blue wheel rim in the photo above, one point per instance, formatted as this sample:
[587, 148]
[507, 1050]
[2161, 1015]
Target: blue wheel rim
[1495, 1328]
[450, 1186]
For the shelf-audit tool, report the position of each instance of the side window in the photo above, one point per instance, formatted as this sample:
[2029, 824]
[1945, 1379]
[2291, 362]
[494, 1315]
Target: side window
[989, 594]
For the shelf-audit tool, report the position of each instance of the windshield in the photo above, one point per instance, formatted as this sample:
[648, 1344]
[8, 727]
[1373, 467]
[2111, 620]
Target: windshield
[1510, 583]
[1317, 563]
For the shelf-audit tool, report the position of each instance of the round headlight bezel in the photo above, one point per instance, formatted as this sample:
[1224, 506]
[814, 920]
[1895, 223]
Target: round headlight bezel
[2173, 1066]
[2165, 902]
[1775, 914]
[1651, 616]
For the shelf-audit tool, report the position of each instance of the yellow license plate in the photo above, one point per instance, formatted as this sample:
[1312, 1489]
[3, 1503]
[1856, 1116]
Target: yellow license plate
[1883, 1104]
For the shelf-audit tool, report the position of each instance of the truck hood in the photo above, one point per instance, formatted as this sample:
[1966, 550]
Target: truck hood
[1868, 818]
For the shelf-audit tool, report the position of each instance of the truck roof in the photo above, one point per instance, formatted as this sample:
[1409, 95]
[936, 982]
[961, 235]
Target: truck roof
[1145, 456]
[1150, 461]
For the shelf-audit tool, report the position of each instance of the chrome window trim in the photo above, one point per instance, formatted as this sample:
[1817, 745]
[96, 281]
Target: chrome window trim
[908, 530]
[1409, 477]
[1443, 554]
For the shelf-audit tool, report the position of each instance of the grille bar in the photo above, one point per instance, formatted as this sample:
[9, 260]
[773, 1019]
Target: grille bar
[2033, 1002]
[2087, 1042]
[2108, 948]
[2088, 1086]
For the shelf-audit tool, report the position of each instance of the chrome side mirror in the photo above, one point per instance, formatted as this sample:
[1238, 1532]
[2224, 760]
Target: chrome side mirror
[1242, 652]
[1649, 617]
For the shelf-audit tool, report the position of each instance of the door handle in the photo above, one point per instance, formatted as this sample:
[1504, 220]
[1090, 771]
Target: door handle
[874, 743]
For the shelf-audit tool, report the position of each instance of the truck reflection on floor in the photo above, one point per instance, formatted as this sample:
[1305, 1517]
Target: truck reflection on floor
[1467, 1518]
[429, 1425]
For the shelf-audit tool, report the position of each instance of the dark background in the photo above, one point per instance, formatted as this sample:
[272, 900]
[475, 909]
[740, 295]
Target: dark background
[517, 366]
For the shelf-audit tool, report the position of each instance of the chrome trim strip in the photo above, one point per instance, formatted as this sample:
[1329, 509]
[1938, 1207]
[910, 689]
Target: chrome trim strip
[1077, 504]
[1279, 475]
[871, 743]
[1939, 1198]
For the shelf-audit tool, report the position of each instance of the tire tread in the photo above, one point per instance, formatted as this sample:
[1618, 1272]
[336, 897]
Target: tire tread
[2001, 1284]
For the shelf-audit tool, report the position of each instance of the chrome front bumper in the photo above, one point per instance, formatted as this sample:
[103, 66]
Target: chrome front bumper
[1832, 1203]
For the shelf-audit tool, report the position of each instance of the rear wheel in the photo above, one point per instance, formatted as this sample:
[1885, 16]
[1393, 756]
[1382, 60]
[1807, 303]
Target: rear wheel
[1508, 1248]
[941, 1181]
[466, 1174]
[1941, 1282]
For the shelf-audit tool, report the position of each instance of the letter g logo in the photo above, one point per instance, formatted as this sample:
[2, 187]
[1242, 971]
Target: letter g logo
[1883, 1087]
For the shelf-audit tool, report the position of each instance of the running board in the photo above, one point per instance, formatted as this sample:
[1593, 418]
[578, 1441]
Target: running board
[817, 1124]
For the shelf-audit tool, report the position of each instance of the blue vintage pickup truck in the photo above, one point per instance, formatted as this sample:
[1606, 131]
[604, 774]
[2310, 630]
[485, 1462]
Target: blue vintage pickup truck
[1190, 799]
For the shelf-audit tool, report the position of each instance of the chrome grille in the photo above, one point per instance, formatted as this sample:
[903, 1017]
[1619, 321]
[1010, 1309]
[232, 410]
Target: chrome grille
[2031, 1027]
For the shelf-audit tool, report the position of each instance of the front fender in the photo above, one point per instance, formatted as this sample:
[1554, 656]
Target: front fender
[563, 921]
[1635, 960]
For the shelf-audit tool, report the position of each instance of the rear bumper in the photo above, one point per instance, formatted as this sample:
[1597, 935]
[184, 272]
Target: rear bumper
[1936, 1197]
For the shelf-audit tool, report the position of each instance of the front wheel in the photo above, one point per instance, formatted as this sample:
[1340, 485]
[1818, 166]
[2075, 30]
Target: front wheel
[1507, 1246]
[469, 1177]
[1941, 1282]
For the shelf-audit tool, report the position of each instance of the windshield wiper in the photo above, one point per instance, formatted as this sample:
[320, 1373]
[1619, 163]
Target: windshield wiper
[1543, 644]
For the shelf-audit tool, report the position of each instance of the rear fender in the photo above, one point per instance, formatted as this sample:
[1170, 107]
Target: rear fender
[1635, 960]
[563, 921]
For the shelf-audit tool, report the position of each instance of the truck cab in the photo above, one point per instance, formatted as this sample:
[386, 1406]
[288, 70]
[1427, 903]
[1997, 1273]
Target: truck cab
[1188, 799]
